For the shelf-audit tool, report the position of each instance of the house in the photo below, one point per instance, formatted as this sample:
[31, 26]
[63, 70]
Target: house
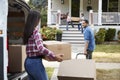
[106, 13]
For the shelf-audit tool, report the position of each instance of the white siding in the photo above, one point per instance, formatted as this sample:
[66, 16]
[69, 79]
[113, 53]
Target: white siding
[94, 4]
[56, 5]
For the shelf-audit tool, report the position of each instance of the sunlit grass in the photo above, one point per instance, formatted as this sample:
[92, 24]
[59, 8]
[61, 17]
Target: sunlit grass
[49, 71]
[113, 74]
[108, 48]
[107, 53]
[106, 57]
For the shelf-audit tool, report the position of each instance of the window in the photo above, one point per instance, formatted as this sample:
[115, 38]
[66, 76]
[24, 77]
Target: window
[113, 6]
[110, 5]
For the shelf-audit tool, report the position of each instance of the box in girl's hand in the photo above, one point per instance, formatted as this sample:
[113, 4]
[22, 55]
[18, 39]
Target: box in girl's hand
[59, 48]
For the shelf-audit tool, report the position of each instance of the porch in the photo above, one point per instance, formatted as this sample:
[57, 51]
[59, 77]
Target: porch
[105, 12]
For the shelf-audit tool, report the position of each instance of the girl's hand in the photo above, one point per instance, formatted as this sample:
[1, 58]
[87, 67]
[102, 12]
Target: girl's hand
[59, 57]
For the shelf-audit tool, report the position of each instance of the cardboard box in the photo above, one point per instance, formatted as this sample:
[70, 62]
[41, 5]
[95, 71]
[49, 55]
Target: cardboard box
[76, 19]
[17, 55]
[77, 70]
[59, 48]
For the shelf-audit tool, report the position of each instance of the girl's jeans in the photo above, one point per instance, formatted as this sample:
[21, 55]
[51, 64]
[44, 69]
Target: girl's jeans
[35, 69]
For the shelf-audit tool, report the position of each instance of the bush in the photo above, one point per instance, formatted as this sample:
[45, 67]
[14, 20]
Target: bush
[118, 34]
[58, 31]
[110, 34]
[100, 36]
[48, 33]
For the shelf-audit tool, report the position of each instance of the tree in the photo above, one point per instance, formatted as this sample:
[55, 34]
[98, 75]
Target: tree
[40, 5]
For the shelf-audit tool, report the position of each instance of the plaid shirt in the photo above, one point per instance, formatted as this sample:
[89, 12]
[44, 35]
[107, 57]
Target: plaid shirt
[35, 46]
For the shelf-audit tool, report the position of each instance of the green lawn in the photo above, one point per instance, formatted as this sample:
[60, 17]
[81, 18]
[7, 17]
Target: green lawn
[108, 48]
[49, 71]
[107, 53]
[113, 74]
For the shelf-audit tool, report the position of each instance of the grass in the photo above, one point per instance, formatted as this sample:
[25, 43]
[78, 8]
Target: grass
[108, 48]
[113, 74]
[107, 53]
[106, 57]
[49, 71]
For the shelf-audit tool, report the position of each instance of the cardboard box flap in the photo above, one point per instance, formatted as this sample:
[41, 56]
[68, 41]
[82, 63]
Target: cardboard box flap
[53, 42]
[77, 68]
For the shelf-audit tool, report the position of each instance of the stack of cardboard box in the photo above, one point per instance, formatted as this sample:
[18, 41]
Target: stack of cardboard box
[17, 55]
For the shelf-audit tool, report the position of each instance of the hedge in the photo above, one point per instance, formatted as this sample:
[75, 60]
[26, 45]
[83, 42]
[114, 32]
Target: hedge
[110, 34]
[100, 36]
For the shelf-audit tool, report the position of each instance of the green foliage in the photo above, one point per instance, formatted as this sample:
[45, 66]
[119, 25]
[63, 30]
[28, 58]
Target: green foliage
[118, 33]
[108, 48]
[58, 31]
[110, 34]
[48, 33]
[40, 5]
[49, 71]
[100, 36]
[44, 17]
[37, 4]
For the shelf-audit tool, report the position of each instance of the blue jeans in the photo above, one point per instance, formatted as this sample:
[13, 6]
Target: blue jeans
[70, 24]
[89, 54]
[35, 69]
[80, 26]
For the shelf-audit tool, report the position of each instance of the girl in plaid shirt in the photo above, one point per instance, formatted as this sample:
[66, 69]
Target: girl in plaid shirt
[35, 50]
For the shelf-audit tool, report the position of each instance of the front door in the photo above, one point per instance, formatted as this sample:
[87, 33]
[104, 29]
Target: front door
[75, 8]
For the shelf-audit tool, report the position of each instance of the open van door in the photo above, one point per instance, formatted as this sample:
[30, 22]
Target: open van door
[3, 39]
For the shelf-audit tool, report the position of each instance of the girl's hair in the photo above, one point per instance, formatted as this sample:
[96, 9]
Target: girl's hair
[32, 21]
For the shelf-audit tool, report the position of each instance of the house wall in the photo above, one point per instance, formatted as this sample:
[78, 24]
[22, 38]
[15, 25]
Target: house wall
[94, 4]
[56, 5]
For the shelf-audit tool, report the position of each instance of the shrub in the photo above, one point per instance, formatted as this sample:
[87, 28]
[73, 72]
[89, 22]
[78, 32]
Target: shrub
[48, 33]
[118, 34]
[110, 34]
[58, 31]
[100, 36]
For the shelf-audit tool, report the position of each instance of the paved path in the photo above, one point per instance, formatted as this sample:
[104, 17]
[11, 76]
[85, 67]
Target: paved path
[108, 65]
